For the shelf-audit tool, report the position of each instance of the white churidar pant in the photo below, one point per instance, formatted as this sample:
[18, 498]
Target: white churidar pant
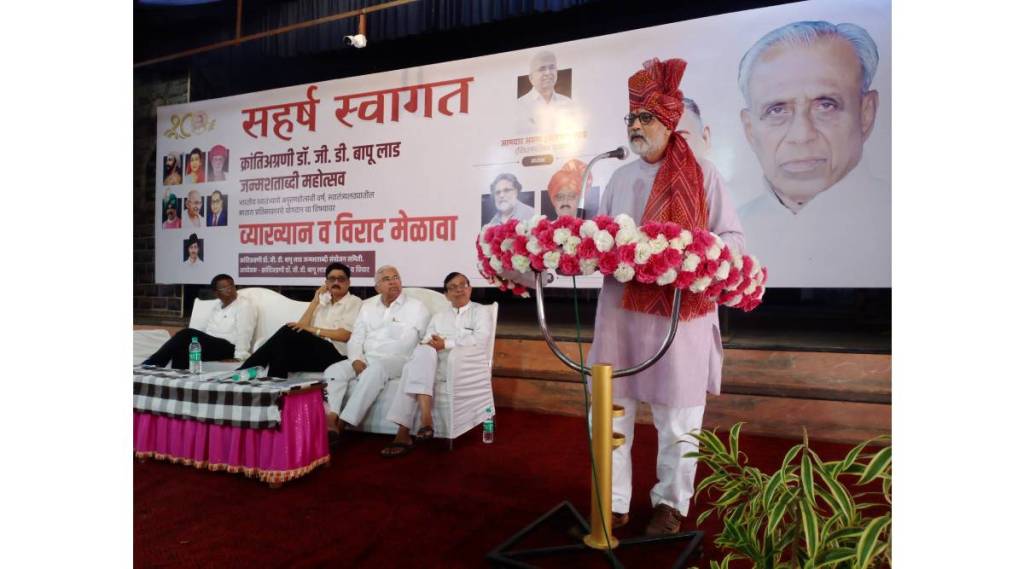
[675, 473]
[417, 379]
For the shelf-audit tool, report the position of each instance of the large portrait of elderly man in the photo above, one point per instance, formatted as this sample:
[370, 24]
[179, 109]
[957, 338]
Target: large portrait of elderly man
[809, 111]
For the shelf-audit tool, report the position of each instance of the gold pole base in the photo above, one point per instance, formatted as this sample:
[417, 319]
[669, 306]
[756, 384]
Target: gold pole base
[596, 540]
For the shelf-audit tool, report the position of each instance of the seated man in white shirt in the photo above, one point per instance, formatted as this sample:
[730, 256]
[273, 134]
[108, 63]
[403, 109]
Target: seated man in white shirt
[318, 339]
[464, 324]
[386, 332]
[224, 336]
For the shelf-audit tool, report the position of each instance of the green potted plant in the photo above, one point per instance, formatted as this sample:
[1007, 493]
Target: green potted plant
[808, 514]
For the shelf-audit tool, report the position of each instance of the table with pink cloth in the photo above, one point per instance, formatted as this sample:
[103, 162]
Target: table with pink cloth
[204, 423]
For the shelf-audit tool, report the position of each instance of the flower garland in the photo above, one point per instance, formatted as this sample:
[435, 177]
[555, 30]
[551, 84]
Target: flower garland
[661, 253]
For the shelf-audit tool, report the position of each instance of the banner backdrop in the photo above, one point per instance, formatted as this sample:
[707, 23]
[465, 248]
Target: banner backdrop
[404, 167]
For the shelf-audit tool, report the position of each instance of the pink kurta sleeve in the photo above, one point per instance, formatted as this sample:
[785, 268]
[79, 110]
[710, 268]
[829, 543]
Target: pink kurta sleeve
[722, 217]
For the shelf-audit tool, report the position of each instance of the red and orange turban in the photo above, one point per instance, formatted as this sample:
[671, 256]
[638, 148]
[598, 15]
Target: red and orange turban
[568, 175]
[656, 88]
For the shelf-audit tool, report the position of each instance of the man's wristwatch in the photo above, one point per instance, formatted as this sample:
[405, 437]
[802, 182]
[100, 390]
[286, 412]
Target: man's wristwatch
[318, 333]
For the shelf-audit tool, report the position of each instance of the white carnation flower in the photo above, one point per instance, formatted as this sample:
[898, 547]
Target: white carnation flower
[700, 284]
[507, 243]
[625, 222]
[588, 266]
[642, 253]
[520, 263]
[534, 221]
[685, 237]
[534, 246]
[624, 273]
[658, 244]
[755, 267]
[571, 244]
[714, 252]
[690, 263]
[667, 277]
[486, 248]
[677, 244]
[723, 271]
[522, 229]
[496, 263]
[626, 235]
[551, 259]
[750, 289]
[603, 241]
[588, 229]
[733, 301]
[561, 234]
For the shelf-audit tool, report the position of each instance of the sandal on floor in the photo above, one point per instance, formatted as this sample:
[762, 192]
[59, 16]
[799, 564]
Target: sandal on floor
[400, 449]
[425, 433]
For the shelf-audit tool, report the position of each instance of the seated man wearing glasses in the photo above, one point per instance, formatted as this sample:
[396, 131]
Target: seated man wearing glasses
[319, 338]
[385, 334]
[224, 336]
[464, 324]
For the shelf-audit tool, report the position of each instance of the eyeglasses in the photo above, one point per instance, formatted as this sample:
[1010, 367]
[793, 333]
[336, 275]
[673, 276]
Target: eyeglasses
[645, 118]
[340, 279]
[456, 287]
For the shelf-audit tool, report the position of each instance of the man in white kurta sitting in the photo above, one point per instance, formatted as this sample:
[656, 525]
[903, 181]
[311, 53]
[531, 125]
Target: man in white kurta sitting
[387, 330]
[465, 323]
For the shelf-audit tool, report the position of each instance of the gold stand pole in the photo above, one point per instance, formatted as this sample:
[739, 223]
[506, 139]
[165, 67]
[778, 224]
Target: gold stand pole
[604, 441]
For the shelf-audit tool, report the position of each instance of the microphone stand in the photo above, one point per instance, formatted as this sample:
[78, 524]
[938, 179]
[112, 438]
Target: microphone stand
[599, 531]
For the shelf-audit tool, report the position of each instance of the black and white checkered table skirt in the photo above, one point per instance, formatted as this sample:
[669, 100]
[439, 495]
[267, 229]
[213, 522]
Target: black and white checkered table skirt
[214, 397]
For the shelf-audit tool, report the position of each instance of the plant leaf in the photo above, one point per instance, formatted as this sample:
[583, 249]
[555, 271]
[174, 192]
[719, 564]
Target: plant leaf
[851, 457]
[809, 521]
[807, 478]
[734, 441]
[839, 492]
[837, 555]
[881, 461]
[866, 545]
[779, 510]
[704, 516]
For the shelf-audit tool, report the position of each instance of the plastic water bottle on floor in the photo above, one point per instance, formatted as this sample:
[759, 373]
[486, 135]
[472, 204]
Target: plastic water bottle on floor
[489, 426]
[246, 374]
[195, 356]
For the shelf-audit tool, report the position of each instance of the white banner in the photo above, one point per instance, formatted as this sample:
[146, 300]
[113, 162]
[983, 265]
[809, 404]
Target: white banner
[398, 167]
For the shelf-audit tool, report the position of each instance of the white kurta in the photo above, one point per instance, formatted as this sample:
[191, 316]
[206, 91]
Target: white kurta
[692, 366]
[340, 314]
[234, 323]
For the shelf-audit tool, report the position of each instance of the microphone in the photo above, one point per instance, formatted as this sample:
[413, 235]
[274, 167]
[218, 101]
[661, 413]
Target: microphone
[621, 153]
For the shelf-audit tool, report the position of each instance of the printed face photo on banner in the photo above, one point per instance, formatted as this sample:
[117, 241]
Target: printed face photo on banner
[195, 166]
[217, 210]
[172, 169]
[563, 193]
[192, 250]
[194, 213]
[217, 163]
[171, 211]
[544, 96]
[506, 199]
[692, 128]
[809, 105]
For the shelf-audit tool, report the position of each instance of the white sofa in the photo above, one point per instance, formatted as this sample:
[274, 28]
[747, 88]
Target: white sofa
[462, 393]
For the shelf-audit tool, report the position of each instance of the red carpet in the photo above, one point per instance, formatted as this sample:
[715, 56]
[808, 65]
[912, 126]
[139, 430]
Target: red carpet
[432, 508]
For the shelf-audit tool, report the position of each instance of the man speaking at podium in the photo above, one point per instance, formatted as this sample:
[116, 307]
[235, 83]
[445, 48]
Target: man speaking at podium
[667, 183]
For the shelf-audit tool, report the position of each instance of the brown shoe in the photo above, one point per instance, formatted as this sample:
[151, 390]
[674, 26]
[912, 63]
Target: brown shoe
[619, 520]
[665, 521]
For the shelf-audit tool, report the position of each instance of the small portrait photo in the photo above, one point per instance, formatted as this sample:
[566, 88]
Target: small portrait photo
[544, 96]
[563, 195]
[195, 167]
[195, 212]
[171, 212]
[192, 251]
[506, 200]
[217, 209]
[217, 163]
[172, 169]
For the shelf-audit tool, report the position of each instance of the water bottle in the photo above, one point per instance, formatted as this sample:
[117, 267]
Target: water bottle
[247, 373]
[489, 426]
[195, 356]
